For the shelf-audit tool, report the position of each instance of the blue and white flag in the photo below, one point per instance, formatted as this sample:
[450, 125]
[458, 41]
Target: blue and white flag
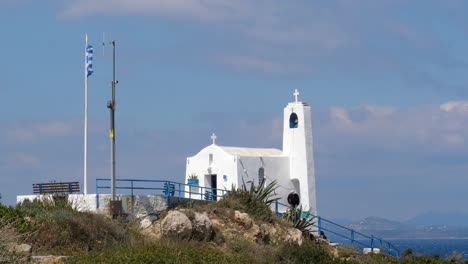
[89, 60]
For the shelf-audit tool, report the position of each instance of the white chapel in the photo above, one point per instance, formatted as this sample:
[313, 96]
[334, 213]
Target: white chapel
[221, 167]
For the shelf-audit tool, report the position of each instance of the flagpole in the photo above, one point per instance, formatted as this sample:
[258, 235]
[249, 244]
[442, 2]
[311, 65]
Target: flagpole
[85, 165]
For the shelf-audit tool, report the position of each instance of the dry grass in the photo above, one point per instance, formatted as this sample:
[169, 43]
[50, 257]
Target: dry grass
[9, 237]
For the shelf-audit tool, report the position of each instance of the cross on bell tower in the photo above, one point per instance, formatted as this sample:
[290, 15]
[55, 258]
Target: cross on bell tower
[213, 137]
[296, 95]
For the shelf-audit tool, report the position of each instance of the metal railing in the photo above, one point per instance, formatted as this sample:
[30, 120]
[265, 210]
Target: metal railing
[358, 238]
[166, 188]
[175, 189]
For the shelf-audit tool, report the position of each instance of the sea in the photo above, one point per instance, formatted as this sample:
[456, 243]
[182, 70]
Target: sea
[442, 247]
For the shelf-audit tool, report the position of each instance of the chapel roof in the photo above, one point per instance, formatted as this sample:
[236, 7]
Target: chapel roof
[252, 152]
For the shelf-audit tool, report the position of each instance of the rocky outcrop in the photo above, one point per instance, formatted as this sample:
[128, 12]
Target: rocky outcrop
[294, 236]
[176, 225]
[243, 219]
[202, 227]
[147, 221]
[187, 224]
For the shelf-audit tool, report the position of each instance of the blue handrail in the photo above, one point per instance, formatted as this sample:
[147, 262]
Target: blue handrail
[388, 247]
[168, 189]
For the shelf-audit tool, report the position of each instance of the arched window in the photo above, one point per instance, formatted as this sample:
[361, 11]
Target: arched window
[293, 121]
[261, 175]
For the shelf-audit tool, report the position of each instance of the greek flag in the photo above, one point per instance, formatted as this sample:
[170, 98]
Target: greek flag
[89, 60]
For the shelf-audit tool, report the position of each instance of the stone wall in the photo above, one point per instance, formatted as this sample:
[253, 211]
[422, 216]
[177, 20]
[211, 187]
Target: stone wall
[138, 206]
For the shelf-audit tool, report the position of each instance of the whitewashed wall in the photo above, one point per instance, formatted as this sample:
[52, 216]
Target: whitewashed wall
[223, 164]
[298, 146]
[276, 168]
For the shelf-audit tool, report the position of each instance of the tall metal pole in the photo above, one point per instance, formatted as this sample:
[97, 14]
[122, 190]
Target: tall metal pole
[111, 106]
[85, 165]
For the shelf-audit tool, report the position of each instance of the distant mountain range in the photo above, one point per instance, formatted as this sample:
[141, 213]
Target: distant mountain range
[453, 219]
[427, 225]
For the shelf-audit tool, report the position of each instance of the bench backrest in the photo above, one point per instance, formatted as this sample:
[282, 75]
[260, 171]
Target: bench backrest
[56, 187]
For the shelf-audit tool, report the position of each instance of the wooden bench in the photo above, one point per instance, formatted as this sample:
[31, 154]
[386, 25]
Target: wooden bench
[56, 187]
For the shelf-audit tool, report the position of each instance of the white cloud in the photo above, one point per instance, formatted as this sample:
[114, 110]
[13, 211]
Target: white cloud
[340, 117]
[293, 37]
[196, 9]
[379, 111]
[455, 106]
[428, 127]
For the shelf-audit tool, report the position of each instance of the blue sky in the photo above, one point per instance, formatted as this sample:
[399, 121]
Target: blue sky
[386, 81]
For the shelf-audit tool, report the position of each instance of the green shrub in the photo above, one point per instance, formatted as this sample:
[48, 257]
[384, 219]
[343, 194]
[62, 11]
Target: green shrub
[423, 259]
[60, 229]
[300, 219]
[165, 252]
[10, 236]
[239, 244]
[407, 252]
[254, 200]
[261, 193]
[307, 253]
[13, 215]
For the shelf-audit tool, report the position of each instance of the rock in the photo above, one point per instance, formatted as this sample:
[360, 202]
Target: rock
[176, 225]
[366, 251]
[23, 249]
[243, 219]
[148, 221]
[153, 232]
[335, 252]
[48, 259]
[201, 227]
[294, 236]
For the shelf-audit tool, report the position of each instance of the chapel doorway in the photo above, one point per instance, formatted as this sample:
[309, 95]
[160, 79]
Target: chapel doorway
[212, 194]
[214, 185]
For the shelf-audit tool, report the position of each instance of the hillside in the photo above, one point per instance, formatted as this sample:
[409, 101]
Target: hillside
[238, 229]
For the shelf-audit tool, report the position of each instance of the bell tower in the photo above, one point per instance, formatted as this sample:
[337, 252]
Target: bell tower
[298, 146]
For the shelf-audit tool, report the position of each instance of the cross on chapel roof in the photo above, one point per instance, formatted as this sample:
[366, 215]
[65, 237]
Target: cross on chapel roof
[213, 137]
[296, 95]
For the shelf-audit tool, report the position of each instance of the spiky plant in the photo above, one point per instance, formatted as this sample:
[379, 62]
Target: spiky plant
[254, 200]
[300, 218]
[261, 193]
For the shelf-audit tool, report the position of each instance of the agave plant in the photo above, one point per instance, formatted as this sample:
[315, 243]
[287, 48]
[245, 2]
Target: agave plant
[300, 218]
[261, 193]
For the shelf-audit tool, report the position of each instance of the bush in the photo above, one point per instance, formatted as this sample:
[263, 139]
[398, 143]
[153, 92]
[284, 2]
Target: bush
[300, 219]
[307, 253]
[407, 252]
[61, 229]
[243, 201]
[15, 216]
[164, 252]
[8, 238]
[423, 259]
[254, 200]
